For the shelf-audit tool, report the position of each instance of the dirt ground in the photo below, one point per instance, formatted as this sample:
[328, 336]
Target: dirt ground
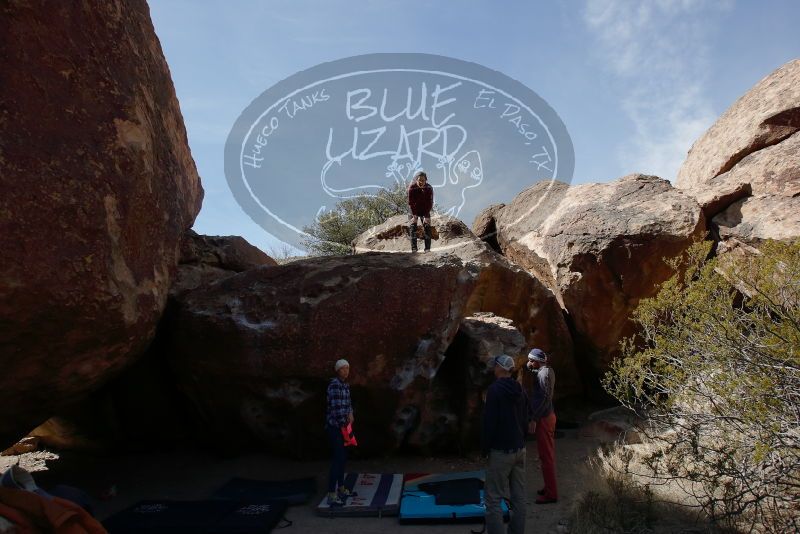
[195, 475]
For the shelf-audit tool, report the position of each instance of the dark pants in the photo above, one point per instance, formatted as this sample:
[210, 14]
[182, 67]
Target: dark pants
[412, 229]
[338, 458]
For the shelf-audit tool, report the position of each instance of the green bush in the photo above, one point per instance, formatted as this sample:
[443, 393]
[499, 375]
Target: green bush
[332, 232]
[716, 373]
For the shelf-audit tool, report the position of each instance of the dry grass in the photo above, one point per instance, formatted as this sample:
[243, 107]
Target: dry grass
[617, 501]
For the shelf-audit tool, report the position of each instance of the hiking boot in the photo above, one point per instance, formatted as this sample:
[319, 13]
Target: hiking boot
[427, 237]
[334, 500]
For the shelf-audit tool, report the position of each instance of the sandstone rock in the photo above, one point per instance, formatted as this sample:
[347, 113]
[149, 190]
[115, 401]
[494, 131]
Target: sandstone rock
[745, 171]
[771, 210]
[143, 401]
[485, 225]
[601, 248]
[392, 235]
[98, 187]
[449, 413]
[502, 288]
[762, 217]
[774, 170]
[254, 351]
[755, 199]
[487, 336]
[717, 199]
[733, 249]
[232, 252]
[765, 115]
[204, 259]
[25, 445]
[619, 425]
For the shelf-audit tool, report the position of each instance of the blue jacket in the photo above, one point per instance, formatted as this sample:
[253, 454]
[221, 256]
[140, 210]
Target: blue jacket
[505, 416]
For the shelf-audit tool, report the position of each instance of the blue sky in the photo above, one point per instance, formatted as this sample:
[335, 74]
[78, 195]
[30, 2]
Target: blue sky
[635, 82]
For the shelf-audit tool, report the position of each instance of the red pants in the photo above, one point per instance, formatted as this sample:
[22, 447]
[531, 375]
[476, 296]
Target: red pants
[545, 443]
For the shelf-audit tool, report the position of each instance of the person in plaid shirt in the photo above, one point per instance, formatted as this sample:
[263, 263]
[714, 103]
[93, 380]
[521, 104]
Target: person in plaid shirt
[338, 414]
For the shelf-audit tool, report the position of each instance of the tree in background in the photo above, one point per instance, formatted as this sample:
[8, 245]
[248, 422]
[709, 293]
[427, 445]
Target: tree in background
[333, 231]
[716, 373]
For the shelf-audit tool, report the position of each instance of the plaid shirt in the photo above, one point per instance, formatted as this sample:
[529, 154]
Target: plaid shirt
[339, 406]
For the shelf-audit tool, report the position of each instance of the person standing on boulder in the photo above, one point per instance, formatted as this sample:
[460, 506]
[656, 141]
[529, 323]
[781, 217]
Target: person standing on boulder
[505, 421]
[543, 413]
[339, 414]
[420, 203]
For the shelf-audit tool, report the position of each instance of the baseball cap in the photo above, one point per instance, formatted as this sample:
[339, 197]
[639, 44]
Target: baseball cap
[537, 355]
[504, 361]
[341, 363]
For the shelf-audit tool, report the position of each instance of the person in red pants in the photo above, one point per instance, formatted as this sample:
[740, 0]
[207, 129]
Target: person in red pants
[543, 413]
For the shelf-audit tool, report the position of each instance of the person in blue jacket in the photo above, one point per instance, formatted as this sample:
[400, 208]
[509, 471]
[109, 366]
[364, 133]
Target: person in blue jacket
[505, 422]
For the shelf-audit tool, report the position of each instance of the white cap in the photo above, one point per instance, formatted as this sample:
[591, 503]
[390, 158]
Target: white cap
[537, 355]
[505, 361]
[341, 363]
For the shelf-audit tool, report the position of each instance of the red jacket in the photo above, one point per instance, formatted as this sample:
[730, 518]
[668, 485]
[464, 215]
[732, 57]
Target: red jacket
[420, 199]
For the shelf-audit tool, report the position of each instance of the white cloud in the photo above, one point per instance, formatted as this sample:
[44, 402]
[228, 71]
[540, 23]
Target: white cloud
[658, 50]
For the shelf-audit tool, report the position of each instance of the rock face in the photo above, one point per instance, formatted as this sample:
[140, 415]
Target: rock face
[745, 171]
[485, 225]
[98, 186]
[453, 404]
[764, 116]
[757, 218]
[502, 288]
[142, 408]
[601, 248]
[204, 259]
[480, 338]
[255, 351]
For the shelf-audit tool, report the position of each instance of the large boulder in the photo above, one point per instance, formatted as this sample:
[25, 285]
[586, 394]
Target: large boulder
[745, 170]
[601, 248]
[453, 404]
[98, 185]
[764, 116]
[205, 259]
[253, 352]
[142, 408]
[485, 225]
[502, 288]
[758, 218]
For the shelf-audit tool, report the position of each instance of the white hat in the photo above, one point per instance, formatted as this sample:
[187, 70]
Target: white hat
[341, 363]
[505, 361]
[537, 355]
